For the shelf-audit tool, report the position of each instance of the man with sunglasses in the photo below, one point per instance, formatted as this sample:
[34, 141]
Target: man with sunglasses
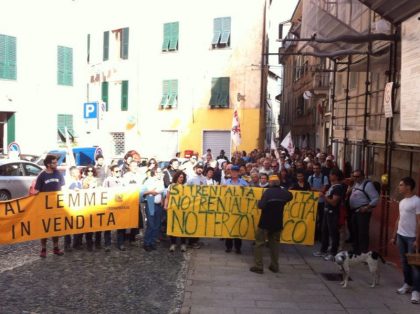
[49, 180]
[114, 180]
[363, 199]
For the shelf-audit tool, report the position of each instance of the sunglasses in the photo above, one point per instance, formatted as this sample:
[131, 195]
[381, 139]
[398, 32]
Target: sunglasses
[90, 170]
[117, 171]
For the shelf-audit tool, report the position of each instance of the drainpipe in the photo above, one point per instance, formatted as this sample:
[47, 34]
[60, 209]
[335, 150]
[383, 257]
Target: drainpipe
[346, 140]
[366, 114]
[332, 100]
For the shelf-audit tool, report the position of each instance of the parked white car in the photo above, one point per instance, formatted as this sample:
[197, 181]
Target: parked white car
[16, 177]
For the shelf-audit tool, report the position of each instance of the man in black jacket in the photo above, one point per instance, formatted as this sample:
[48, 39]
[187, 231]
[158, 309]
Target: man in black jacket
[270, 225]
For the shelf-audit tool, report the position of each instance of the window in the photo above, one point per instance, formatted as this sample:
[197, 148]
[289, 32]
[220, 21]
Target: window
[220, 92]
[104, 94]
[170, 36]
[31, 170]
[11, 170]
[65, 121]
[124, 95]
[105, 51]
[353, 80]
[169, 94]
[221, 32]
[118, 139]
[7, 57]
[124, 44]
[64, 66]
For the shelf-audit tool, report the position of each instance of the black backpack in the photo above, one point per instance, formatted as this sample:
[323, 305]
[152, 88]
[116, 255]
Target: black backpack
[376, 185]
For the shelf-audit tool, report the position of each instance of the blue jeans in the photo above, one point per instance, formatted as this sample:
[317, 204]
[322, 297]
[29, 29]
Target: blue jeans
[153, 225]
[411, 273]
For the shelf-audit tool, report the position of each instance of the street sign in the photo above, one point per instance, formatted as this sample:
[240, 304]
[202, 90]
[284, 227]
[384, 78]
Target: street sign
[13, 147]
[90, 110]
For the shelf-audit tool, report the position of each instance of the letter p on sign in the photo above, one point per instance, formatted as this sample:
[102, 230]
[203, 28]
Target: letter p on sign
[90, 110]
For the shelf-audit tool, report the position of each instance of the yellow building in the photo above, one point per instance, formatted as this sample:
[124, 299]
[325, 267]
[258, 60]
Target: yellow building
[170, 79]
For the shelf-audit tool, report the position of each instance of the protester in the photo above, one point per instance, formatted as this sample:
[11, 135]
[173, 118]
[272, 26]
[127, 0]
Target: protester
[270, 224]
[363, 199]
[114, 180]
[74, 184]
[301, 184]
[49, 180]
[333, 198]
[263, 180]
[170, 171]
[153, 195]
[179, 178]
[234, 180]
[407, 237]
[209, 176]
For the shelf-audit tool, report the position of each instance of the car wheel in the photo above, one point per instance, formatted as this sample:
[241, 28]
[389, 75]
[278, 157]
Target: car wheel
[4, 195]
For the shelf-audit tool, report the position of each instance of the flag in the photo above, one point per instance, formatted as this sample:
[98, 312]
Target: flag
[274, 147]
[235, 133]
[288, 143]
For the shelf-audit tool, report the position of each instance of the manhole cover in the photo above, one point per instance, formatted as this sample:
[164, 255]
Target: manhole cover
[333, 276]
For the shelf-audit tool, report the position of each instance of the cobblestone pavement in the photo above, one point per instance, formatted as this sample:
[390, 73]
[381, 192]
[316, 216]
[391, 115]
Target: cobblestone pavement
[133, 281]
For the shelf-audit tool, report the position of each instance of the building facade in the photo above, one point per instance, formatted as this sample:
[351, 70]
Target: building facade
[41, 75]
[169, 82]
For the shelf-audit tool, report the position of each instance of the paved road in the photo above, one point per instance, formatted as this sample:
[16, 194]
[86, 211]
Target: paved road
[133, 281]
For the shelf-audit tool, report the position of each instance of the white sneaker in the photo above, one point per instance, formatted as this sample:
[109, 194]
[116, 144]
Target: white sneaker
[183, 248]
[404, 289]
[172, 248]
[415, 297]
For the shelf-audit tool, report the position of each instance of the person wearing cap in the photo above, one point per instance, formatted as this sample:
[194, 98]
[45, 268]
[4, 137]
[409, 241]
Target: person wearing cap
[234, 180]
[197, 178]
[270, 225]
[222, 156]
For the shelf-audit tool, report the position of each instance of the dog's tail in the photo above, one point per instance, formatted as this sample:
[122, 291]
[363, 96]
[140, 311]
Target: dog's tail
[376, 255]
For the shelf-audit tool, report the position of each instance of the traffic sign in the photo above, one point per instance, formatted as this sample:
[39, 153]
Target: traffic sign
[13, 147]
[90, 110]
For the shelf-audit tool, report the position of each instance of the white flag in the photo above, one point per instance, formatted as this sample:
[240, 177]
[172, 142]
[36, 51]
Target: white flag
[273, 143]
[235, 133]
[288, 143]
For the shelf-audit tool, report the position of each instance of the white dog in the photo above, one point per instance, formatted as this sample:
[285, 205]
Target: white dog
[344, 259]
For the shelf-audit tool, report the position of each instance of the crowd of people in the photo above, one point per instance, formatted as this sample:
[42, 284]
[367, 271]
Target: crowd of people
[346, 200]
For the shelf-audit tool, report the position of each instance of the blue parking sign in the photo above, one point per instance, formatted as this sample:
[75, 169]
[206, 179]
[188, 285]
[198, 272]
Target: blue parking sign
[90, 110]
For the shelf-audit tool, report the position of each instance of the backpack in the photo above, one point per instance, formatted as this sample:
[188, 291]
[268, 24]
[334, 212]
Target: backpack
[376, 185]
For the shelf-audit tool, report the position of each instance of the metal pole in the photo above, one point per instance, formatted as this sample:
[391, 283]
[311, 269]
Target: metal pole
[332, 101]
[346, 140]
[367, 94]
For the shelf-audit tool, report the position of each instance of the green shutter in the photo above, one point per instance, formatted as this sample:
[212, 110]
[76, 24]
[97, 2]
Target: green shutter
[226, 26]
[60, 65]
[173, 98]
[69, 67]
[215, 89]
[165, 93]
[64, 66]
[11, 128]
[224, 92]
[166, 36]
[124, 43]
[104, 94]
[106, 46]
[124, 96]
[63, 121]
[8, 57]
[173, 45]
[217, 30]
[88, 48]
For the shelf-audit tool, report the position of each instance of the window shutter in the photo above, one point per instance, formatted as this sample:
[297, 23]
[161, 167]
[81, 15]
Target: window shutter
[215, 89]
[60, 65]
[124, 43]
[104, 94]
[173, 100]
[124, 96]
[11, 128]
[69, 66]
[165, 93]
[88, 48]
[3, 56]
[166, 36]
[173, 45]
[224, 92]
[226, 25]
[106, 46]
[217, 30]
[11, 57]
